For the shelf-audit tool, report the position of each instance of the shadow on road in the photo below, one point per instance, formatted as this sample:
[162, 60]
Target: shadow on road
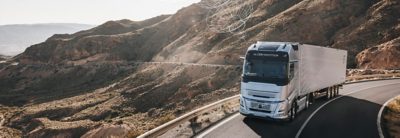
[344, 117]
[281, 129]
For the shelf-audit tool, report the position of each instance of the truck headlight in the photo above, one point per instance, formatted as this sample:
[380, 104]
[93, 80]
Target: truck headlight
[282, 106]
[242, 102]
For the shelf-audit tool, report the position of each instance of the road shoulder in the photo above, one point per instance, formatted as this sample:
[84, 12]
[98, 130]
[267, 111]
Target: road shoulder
[388, 120]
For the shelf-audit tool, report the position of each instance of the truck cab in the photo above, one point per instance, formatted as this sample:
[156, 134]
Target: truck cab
[269, 81]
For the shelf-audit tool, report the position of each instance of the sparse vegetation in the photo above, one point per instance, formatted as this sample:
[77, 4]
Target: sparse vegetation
[121, 102]
[165, 118]
[391, 118]
[134, 133]
[202, 121]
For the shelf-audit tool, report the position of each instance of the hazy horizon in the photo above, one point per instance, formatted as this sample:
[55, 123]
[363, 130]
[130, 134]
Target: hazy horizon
[85, 12]
[46, 23]
[14, 39]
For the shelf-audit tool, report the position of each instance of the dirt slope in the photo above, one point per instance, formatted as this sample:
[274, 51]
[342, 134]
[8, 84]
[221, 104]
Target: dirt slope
[382, 56]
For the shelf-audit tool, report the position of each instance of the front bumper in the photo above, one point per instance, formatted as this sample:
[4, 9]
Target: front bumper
[261, 115]
[274, 114]
[267, 118]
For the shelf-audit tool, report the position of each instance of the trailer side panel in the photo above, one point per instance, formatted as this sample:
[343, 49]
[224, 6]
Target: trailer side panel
[321, 67]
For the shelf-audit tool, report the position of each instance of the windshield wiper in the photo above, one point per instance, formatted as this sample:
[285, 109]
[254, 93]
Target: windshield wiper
[251, 74]
[275, 77]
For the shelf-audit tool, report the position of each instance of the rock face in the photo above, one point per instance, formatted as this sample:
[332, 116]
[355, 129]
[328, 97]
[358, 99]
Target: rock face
[379, 25]
[97, 76]
[108, 131]
[384, 56]
[188, 35]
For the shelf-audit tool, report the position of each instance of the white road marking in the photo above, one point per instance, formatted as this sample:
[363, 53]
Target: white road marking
[378, 122]
[309, 118]
[217, 126]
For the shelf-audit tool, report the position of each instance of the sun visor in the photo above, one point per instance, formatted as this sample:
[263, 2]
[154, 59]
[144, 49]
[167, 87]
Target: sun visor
[271, 56]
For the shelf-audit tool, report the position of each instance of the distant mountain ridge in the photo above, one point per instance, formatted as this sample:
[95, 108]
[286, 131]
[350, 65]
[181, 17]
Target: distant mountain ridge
[2, 57]
[187, 36]
[14, 38]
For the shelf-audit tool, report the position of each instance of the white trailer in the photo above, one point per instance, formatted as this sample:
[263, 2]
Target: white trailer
[281, 78]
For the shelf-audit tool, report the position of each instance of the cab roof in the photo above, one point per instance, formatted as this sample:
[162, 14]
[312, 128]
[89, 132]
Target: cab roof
[271, 46]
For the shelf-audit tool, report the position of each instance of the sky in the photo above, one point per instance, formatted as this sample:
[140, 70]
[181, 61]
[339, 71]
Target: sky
[93, 12]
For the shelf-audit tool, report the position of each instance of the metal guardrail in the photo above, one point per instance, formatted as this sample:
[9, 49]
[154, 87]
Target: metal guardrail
[177, 121]
[373, 76]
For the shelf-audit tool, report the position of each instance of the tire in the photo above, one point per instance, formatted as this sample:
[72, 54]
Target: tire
[328, 94]
[311, 99]
[333, 92]
[307, 104]
[337, 90]
[292, 112]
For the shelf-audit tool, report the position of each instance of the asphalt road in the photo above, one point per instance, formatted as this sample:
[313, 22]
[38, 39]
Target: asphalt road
[353, 115]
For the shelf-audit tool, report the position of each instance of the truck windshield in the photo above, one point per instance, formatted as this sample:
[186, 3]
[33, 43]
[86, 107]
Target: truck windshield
[266, 69]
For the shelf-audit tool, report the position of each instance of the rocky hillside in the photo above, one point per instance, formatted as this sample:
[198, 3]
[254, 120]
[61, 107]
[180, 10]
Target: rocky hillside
[385, 56]
[187, 37]
[134, 75]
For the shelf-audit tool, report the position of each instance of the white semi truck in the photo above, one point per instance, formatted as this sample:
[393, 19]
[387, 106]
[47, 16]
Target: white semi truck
[282, 78]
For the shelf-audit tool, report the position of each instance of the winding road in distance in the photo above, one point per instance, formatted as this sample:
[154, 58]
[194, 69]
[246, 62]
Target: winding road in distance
[354, 114]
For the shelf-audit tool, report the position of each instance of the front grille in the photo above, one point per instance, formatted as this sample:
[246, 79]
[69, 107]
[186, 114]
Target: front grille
[264, 94]
[252, 109]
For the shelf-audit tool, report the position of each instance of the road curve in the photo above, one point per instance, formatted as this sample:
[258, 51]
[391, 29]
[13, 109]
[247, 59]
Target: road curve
[352, 115]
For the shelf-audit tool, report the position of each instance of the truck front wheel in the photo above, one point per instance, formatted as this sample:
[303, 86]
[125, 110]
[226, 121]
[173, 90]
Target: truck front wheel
[307, 104]
[292, 112]
[311, 97]
[337, 90]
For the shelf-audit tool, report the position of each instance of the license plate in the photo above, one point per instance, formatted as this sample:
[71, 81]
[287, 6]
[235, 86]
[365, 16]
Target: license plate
[260, 106]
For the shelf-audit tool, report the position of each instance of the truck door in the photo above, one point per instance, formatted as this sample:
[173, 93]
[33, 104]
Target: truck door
[293, 77]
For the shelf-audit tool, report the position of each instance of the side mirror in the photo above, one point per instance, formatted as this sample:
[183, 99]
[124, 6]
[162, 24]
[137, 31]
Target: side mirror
[241, 57]
[295, 47]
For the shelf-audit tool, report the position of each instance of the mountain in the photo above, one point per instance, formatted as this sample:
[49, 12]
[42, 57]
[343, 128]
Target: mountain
[2, 57]
[353, 26]
[134, 73]
[15, 38]
[385, 55]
